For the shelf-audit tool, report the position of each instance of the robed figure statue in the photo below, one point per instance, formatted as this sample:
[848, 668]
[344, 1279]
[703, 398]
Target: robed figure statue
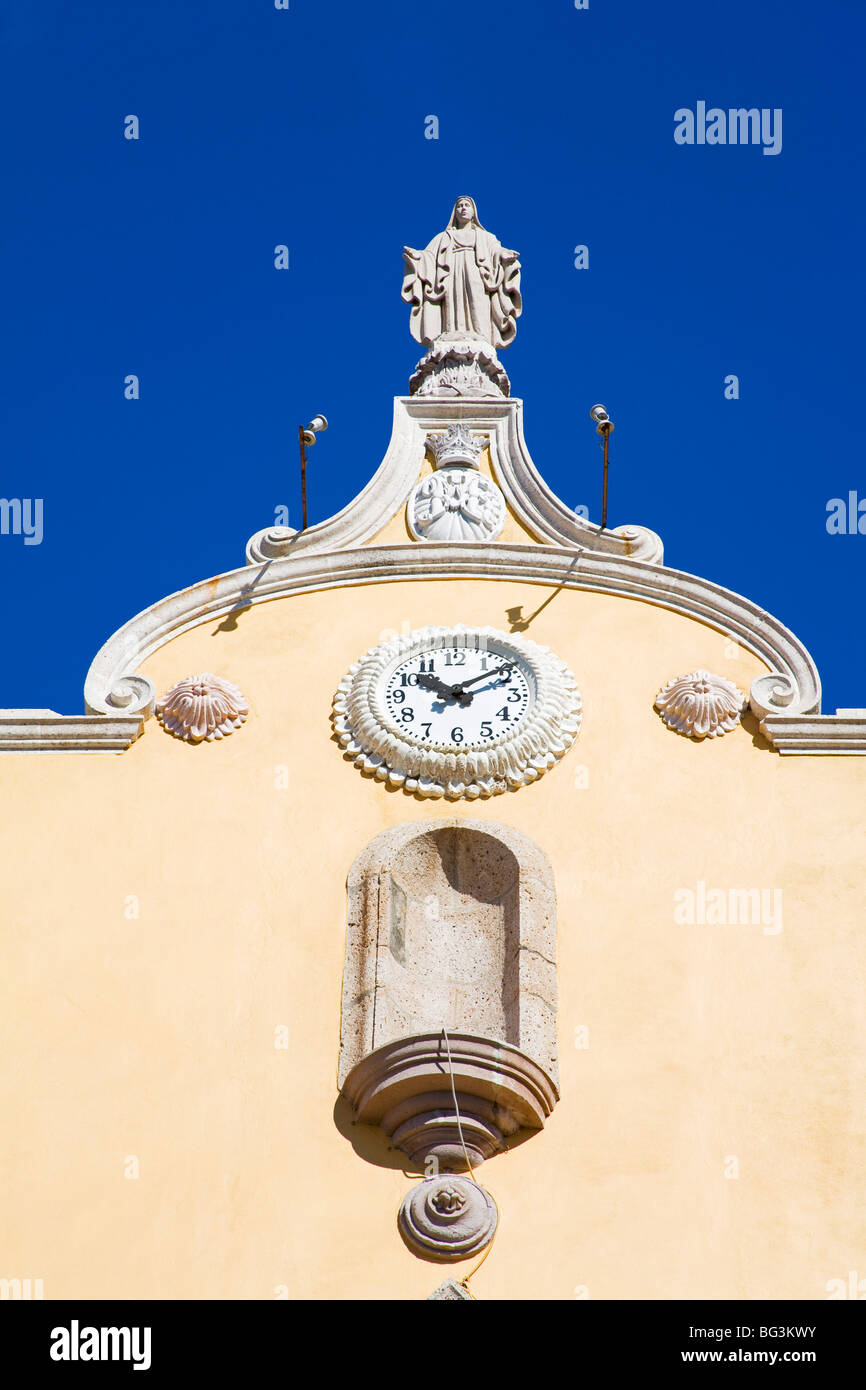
[463, 282]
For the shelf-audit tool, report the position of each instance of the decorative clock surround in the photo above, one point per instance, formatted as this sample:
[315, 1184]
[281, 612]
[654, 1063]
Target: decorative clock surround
[516, 713]
[701, 705]
[202, 708]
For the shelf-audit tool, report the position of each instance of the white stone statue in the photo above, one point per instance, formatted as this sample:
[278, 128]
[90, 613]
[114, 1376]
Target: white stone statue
[464, 283]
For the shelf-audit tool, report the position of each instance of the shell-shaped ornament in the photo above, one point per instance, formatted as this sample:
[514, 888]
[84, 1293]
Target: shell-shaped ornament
[701, 705]
[202, 708]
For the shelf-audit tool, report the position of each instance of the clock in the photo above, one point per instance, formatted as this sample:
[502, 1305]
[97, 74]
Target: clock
[457, 711]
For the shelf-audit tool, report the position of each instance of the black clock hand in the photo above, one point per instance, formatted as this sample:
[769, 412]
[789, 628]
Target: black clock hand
[485, 675]
[428, 682]
[448, 692]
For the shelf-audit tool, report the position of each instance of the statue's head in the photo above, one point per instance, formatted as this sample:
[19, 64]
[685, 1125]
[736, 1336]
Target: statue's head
[464, 212]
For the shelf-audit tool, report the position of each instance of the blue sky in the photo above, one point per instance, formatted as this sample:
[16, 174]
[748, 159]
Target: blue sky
[306, 127]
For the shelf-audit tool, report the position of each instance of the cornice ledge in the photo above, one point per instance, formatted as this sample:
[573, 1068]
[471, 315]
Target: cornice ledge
[842, 732]
[792, 685]
[527, 494]
[45, 731]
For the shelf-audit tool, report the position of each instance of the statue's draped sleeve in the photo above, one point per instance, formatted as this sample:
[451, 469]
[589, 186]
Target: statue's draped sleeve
[500, 274]
[423, 288]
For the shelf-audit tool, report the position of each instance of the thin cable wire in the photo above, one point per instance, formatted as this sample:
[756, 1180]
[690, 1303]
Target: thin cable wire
[465, 1280]
[456, 1106]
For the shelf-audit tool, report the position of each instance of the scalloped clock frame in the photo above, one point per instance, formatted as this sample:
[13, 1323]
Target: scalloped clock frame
[381, 748]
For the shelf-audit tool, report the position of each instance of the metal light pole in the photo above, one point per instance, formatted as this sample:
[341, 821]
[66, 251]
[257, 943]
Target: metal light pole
[603, 426]
[306, 440]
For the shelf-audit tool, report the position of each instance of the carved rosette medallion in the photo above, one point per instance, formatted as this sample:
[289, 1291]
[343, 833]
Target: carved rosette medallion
[701, 705]
[202, 708]
[456, 504]
[393, 743]
[448, 1218]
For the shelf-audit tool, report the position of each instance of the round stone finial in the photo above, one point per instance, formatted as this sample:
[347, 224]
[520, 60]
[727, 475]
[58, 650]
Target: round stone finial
[448, 1218]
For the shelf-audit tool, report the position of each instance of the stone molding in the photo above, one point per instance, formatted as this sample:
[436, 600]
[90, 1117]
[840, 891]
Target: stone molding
[839, 733]
[792, 686]
[387, 492]
[45, 731]
[573, 554]
[405, 1089]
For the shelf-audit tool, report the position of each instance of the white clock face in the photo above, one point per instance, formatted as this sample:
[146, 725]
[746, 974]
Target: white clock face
[458, 696]
[457, 711]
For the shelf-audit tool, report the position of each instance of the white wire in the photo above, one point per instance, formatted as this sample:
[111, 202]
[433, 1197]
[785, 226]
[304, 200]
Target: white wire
[456, 1106]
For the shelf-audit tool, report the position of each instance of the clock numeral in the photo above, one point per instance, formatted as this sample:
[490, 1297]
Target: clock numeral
[398, 696]
[426, 728]
[407, 714]
[513, 695]
[426, 665]
[503, 713]
[411, 679]
[457, 735]
[455, 658]
[486, 729]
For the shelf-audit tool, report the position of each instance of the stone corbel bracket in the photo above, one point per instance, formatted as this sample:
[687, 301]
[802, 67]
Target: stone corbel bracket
[530, 499]
[405, 1089]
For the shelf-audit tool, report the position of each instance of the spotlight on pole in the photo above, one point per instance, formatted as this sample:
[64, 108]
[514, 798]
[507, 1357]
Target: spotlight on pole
[603, 426]
[306, 440]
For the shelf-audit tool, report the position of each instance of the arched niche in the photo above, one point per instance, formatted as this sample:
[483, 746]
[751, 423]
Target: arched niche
[450, 972]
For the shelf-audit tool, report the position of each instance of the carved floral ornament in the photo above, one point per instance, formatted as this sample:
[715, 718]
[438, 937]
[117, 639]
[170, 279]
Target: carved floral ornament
[202, 708]
[701, 705]
[456, 503]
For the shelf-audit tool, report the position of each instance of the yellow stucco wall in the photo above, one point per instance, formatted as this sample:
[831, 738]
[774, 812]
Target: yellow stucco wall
[153, 1035]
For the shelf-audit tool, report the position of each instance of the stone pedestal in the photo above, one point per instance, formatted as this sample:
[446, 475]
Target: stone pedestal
[460, 365]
